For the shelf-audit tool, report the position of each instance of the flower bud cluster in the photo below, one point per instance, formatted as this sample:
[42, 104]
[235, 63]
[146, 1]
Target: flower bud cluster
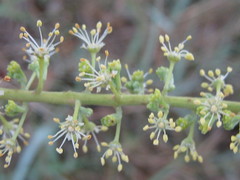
[235, 143]
[136, 83]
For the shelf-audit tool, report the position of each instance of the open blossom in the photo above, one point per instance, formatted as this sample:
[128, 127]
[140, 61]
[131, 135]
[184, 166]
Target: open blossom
[160, 125]
[217, 80]
[46, 47]
[96, 78]
[187, 146]
[92, 129]
[71, 130]
[210, 110]
[114, 150]
[93, 41]
[176, 53]
[8, 145]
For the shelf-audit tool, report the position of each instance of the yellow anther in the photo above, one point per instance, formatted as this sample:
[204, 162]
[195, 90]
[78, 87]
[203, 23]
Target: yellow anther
[50, 136]
[219, 124]
[98, 148]
[99, 25]
[202, 121]
[145, 128]
[23, 29]
[178, 129]
[161, 39]
[200, 159]
[84, 27]
[57, 32]
[233, 138]
[50, 143]
[152, 135]
[75, 155]
[57, 25]
[120, 167]
[104, 144]
[57, 120]
[114, 159]
[59, 150]
[150, 70]
[160, 114]
[77, 25]
[21, 35]
[71, 32]
[189, 37]
[50, 34]
[109, 28]
[149, 82]
[189, 56]
[74, 30]
[61, 39]
[167, 38]
[102, 161]
[156, 142]
[85, 149]
[202, 72]
[106, 53]
[93, 32]
[210, 73]
[204, 85]
[165, 138]
[229, 69]
[217, 72]
[39, 23]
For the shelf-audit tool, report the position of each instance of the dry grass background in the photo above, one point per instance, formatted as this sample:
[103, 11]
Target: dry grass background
[215, 27]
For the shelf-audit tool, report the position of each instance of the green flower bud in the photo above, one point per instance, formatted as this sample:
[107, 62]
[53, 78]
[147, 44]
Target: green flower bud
[156, 102]
[162, 73]
[185, 122]
[109, 120]
[15, 72]
[12, 109]
[115, 65]
[230, 120]
[83, 66]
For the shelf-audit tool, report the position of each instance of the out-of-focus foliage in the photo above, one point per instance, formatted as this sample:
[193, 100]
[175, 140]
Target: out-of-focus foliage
[215, 28]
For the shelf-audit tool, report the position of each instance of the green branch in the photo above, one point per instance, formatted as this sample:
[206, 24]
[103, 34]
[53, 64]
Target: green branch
[69, 97]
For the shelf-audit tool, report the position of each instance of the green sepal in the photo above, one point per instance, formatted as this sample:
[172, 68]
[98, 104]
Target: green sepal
[86, 112]
[162, 73]
[231, 120]
[116, 66]
[186, 121]
[110, 120]
[156, 102]
[15, 72]
[12, 109]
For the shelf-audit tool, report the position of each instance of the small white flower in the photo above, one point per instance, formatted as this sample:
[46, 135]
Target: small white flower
[46, 47]
[160, 124]
[97, 78]
[93, 41]
[114, 150]
[178, 52]
[71, 130]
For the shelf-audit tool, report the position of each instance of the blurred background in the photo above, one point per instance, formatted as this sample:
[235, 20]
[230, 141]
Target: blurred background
[137, 24]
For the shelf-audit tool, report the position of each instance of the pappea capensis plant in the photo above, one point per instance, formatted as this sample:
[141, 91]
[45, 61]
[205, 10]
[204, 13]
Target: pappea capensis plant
[104, 85]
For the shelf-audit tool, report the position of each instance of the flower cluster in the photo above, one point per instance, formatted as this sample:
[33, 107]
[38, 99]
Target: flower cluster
[96, 78]
[188, 146]
[91, 129]
[46, 47]
[71, 130]
[136, 83]
[93, 41]
[217, 81]
[9, 145]
[175, 54]
[160, 124]
[235, 142]
[114, 150]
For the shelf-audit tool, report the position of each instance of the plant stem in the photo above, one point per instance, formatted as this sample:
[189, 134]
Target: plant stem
[70, 97]
[169, 77]
[118, 127]
[191, 131]
[23, 117]
[4, 121]
[76, 109]
[93, 57]
[40, 78]
[30, 81]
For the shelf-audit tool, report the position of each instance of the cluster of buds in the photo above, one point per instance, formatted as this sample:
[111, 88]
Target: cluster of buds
[160, 124]
[114, 150]
[187, 146]
[235, 142]
[136, 83]
[72, 130]
[175, 54]
[97, 78]
[46, 47]
[93, 41]
[9, 145]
